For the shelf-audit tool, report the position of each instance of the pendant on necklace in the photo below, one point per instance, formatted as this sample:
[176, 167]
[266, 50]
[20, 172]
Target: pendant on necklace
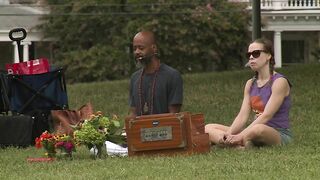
[145, 108]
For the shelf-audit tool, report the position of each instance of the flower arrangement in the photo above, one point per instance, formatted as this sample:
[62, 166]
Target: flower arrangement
[65, 144]
[93, 132]
[47, 141]
[51, 142]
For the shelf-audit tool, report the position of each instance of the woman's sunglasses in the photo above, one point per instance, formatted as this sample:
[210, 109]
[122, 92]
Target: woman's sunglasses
[255, 53]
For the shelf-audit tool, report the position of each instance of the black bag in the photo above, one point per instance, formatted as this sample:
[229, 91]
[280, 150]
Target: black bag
[16, 130]
[41, 122]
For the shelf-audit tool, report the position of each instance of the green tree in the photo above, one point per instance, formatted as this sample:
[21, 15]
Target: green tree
[94, 37]
[199, 36]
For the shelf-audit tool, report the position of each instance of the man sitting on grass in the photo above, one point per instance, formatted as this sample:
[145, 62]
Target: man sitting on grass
[155, 88]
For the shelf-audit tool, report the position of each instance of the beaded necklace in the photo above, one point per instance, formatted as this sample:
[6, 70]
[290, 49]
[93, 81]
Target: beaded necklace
[146, 107]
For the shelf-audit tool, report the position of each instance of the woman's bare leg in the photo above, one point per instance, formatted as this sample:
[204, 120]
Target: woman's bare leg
[216, 132]
[263, 134]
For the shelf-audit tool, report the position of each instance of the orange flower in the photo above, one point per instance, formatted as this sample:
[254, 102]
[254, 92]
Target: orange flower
[98, 113]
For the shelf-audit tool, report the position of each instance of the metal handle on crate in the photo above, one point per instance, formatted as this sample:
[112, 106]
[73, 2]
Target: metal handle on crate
[18, 39]
[17, 31]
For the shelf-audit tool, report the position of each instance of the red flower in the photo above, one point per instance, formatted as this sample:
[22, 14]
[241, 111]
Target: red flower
[68, 146]
[38, 143]
[46, 135]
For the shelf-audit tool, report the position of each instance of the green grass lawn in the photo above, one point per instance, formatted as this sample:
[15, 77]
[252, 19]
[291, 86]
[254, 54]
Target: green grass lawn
[218, 96]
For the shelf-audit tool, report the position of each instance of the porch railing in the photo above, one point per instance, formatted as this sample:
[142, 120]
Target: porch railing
[285, 4]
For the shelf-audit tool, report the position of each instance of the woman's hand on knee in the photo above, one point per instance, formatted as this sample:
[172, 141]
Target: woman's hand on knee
[222, 139]
[234, 139]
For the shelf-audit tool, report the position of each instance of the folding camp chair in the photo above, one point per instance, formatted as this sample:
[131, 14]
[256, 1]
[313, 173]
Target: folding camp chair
[28, 92]
[43, 92]
[30, 97]
[4, 100]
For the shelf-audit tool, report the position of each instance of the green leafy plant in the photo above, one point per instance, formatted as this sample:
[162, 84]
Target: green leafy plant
[93, 132]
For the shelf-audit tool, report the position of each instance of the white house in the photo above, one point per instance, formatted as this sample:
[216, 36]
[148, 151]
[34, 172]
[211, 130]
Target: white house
[294, 27]
[13, 16]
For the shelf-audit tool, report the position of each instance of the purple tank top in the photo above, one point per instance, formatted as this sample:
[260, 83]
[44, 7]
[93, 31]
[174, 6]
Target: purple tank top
[259, 96]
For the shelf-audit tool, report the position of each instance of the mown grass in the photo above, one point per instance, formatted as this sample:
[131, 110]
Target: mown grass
[218, 96]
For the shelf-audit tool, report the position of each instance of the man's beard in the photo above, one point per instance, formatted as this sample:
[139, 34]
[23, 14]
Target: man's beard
[142, 62]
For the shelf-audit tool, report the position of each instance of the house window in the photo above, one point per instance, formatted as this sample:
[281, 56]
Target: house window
[292, 51]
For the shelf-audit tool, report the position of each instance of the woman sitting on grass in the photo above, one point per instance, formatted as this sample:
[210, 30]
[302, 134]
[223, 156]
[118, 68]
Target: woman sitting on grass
[268, 95]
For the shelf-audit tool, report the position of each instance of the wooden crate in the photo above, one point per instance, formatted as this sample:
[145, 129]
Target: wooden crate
[167, 134]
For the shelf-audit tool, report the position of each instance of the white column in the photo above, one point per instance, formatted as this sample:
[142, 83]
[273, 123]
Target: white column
[26, 50]
[277, 4]
[277, 49]
[4, 2]
[15, 52]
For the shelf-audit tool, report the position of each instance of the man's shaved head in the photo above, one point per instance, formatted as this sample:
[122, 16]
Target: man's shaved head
[147, 36]
[144, 47]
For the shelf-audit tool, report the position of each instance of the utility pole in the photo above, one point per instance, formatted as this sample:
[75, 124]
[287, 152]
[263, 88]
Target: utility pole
[256, 19]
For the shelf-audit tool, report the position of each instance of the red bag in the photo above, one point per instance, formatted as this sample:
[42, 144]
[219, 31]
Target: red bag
[36, 66]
